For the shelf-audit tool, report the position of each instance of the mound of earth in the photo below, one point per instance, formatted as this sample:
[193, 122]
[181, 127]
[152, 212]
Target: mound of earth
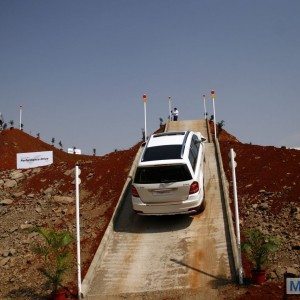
[223, 135]
[269, 199]
[46, 197]
[15, 141]
[268, 191]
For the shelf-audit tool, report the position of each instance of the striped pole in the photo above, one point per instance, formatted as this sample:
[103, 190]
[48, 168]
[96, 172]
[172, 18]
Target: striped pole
[145, 114]
[205, 113]
[20, 125]
[213, 95]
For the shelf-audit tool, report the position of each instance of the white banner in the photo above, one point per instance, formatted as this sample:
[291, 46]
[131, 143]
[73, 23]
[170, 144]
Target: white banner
[74, 151]
[34, 159]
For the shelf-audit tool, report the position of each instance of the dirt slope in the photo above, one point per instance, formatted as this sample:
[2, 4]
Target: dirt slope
[268, 189]
[45, 197]
[13, 141]
[269, 199]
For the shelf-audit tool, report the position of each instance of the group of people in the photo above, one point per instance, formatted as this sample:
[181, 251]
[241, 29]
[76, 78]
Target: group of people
[174, 114]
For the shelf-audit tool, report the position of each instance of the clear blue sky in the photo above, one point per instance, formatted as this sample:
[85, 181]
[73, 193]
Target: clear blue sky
[79, 68]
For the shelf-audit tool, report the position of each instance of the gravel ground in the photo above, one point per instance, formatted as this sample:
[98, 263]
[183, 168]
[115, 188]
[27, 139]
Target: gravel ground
[268, 190]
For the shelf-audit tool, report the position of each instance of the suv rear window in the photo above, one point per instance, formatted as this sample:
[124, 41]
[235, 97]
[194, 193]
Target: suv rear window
[162, 174]
[162, 152]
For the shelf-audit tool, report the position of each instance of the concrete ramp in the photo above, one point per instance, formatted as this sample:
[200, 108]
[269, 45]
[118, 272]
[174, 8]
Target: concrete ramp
[192, 125]
[167, 257]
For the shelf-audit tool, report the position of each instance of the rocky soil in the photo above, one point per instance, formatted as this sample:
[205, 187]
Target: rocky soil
[268, 191]
[269, 198]
[45, 197]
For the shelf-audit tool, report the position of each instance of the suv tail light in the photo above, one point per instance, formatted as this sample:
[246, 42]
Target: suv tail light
[134, 192]
[194, 188]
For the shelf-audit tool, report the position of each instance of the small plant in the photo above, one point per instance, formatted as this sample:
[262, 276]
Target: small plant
[4, 126]
[258, 247]
[60, 145]
[38, 135]
[211, 118]
[94, 151]
[56, 253]
[143, 135]
[53, 141]
[221, 124]
[161, 122]
[22, 126]
[11, 122]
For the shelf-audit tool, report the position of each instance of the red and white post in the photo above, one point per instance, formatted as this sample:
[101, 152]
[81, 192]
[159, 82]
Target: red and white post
[213, 95]
[145, 114]
[205, 112]
[233, 165]
[20, 124]
[77, 183]
[170, 108]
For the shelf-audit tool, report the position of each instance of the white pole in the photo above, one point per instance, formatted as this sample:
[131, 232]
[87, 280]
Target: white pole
[170, 108]
[145, 114]
[215, 120]
[20, 125]
[236, 212]
[205, 113]
[77, 182]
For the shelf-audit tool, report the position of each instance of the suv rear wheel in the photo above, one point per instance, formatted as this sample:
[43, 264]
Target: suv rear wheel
[201, 207]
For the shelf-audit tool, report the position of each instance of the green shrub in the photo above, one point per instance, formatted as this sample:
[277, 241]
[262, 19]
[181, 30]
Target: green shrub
[258, 247]
[56, 253]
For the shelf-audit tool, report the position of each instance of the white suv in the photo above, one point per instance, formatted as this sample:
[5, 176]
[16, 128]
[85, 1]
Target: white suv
[169, 176]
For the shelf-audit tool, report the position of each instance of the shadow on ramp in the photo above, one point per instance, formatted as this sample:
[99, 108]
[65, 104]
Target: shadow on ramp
[217, 281]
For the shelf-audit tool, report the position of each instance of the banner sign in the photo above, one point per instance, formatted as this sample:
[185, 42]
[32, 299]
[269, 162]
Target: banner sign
[34, 159]
[74, 151]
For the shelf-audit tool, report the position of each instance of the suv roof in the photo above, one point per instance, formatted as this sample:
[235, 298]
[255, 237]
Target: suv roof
[167, 138]
[168, 145]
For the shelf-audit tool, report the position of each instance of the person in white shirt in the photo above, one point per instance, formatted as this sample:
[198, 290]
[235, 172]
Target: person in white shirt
[175, 114]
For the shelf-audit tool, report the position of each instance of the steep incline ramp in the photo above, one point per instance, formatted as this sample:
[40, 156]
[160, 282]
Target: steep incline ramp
[169, 256]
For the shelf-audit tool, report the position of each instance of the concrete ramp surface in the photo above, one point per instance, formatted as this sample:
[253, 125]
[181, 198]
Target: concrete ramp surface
[182, 257]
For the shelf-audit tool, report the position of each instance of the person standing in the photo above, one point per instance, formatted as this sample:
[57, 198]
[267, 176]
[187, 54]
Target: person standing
[175, 114]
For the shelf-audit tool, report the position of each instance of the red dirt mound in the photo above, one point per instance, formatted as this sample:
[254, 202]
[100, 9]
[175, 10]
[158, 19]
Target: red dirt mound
[13, 141]
[267, 176]
[34, 204]
[265, 170]
[269, 199]
[223, 135]
[45, 197]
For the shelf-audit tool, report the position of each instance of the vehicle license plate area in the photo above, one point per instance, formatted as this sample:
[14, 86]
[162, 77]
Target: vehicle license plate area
[163, 192]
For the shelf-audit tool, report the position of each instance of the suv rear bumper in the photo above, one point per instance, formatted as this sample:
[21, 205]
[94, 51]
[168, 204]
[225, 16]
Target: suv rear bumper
[184, 207]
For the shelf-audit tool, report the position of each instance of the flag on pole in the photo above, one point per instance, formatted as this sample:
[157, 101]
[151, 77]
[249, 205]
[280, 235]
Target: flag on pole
[213, 94]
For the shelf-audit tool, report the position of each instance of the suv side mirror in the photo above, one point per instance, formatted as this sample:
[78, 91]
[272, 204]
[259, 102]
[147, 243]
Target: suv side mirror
[202, 140]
